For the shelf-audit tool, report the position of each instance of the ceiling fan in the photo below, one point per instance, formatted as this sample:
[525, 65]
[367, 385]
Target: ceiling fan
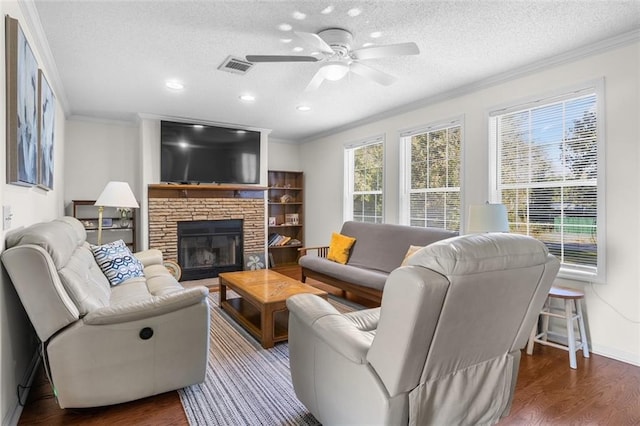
[334, 46]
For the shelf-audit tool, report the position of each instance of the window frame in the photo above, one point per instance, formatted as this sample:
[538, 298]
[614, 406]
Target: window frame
[595, 87]
[404, 137]
[349, 157]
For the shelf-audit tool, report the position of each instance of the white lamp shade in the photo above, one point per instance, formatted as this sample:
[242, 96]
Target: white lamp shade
[117, 194]
[487, 218]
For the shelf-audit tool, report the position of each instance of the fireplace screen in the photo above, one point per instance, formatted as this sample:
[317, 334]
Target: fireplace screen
[208, 247]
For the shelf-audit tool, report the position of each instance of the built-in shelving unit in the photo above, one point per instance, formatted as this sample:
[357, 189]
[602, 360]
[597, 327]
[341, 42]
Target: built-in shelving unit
[286, 216]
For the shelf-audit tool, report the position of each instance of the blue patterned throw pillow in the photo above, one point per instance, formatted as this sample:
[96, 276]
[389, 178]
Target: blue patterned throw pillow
[117, 262]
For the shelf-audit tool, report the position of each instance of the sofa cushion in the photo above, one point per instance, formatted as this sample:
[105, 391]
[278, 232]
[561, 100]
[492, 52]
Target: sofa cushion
[339, 248]
[117, 262]
[351, 274]
[383, 246]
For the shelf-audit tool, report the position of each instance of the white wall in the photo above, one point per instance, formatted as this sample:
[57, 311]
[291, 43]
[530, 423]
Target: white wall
[615, 334]
[99, 152]
[283, 155]
[18, 342]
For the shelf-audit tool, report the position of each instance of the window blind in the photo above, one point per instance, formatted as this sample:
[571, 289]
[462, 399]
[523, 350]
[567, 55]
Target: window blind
[547, 175]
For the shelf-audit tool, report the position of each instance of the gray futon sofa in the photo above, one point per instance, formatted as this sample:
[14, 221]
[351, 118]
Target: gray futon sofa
[378, 250]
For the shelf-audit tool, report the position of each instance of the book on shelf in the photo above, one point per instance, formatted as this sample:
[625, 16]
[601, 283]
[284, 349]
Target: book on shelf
[277, 240]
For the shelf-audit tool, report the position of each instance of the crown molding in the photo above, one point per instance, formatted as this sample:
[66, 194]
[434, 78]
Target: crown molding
[101, 120]
[41, 44]
[553, 61]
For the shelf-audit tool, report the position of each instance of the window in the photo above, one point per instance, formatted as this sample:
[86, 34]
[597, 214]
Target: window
[548, 173]
[364, 181]
[431, 168]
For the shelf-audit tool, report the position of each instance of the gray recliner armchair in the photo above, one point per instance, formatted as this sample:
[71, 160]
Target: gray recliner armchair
[443, 348]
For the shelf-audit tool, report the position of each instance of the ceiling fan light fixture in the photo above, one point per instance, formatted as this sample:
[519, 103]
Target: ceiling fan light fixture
[335, 71]
[303, 108]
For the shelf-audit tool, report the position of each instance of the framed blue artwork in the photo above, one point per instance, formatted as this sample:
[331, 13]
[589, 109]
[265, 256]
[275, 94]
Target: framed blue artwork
[22, 107]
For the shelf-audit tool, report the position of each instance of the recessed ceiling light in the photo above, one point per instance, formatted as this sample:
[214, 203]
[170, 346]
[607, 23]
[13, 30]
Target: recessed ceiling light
[303, 108]
[247, 98]
[174, 84]
[299, 15]
[286, 40]
[284, 27]
[354, 12]
[298, 49]
[375, 34]
[327, 10]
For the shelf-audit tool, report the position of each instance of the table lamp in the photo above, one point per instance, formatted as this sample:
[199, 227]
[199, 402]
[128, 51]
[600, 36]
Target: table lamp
[487, 218]
[115, 194]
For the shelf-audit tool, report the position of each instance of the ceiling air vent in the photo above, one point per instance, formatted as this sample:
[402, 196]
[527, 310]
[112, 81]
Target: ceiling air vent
[235, 65]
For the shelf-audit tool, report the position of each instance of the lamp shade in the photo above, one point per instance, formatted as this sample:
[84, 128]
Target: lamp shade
[487, 218]
[117, 194]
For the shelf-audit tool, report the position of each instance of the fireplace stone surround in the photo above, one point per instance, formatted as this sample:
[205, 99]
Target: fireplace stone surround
[170, 204]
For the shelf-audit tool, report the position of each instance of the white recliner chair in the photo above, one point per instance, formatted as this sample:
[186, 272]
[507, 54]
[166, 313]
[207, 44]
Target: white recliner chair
[443, 348]
[106, 344]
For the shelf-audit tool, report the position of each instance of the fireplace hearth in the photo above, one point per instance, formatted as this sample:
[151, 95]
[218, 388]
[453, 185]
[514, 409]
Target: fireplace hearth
[209, 247]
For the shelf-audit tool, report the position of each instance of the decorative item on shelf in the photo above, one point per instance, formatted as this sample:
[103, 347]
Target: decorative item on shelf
[254, 261]
[272, 221]
[291, 218]
[115, 194]
[125, 216]
[487, 218]
[286, 198]
[107, 222]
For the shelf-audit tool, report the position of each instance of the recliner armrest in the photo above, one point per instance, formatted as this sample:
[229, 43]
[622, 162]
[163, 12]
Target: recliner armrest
[330, 326]
[154, 306]
[149, 257]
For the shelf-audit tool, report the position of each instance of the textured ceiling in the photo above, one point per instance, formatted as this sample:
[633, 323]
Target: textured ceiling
[113, 57]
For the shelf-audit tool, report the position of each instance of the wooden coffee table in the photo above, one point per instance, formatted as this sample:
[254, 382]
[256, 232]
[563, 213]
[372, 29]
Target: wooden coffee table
[261, 308]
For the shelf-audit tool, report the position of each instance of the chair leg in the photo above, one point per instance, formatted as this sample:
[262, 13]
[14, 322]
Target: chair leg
[583, 332]
[532, 339]
[570, 334]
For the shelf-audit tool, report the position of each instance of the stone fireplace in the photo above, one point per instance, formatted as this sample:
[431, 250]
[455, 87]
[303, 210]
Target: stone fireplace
[171, 205]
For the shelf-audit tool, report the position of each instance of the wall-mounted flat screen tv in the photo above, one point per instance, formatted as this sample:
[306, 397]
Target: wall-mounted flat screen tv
[196, 153]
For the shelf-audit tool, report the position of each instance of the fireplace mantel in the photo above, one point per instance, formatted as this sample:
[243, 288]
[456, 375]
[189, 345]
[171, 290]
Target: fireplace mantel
[168, 190]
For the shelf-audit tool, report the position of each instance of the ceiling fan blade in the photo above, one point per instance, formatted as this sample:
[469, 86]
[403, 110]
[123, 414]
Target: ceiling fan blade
[315, 41]
[316, 81]
[373, 52]
[372, 73]
[280, 58]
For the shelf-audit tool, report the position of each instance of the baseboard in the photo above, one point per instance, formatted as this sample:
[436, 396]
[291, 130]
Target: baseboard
[30, 374]
[602, 350]
[618, 355]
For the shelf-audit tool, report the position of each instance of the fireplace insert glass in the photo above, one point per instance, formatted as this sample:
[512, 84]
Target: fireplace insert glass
[208, 247]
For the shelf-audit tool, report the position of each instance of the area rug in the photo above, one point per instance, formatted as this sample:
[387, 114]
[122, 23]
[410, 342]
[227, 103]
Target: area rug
[245, 384]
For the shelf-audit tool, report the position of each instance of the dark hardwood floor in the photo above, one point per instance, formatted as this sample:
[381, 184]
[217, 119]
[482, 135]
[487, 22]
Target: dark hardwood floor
[601, 391]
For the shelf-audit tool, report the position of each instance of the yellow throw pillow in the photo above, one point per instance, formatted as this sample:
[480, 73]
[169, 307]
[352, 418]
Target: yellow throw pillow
[410, 252]
[339, 248]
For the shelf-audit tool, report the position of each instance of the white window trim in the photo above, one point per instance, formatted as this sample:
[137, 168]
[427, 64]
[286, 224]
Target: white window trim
[347, 199]
[594, 86]
[405, 165]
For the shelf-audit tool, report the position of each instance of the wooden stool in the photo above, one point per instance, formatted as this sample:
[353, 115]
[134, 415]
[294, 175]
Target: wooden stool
[572, 311]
